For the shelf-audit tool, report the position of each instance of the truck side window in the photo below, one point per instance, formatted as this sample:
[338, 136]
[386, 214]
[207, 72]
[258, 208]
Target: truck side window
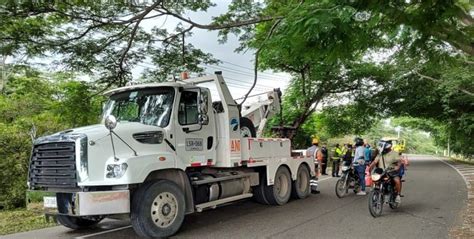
[188, 108]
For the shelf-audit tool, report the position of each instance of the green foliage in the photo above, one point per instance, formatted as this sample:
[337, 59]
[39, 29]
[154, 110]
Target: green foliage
[19, 220]
[49, 106]
[330, 47]
[103, 41]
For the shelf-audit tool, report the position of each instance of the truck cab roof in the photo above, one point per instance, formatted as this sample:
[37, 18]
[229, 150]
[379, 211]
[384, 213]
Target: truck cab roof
[148, 85]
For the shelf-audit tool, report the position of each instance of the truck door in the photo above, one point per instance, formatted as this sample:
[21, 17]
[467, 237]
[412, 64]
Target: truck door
[195, 129]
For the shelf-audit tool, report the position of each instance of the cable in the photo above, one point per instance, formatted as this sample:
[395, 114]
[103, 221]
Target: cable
[223, 68]
[271, 74]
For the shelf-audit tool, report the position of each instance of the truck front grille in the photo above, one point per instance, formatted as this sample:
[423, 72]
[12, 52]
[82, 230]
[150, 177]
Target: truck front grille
[53, 165]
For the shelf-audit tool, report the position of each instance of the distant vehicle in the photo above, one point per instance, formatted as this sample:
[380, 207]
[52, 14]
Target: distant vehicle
[166, 150]
[399, 144]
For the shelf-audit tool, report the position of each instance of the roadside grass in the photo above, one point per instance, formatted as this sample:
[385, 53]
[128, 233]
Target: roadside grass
[470, 162]
[21, 220]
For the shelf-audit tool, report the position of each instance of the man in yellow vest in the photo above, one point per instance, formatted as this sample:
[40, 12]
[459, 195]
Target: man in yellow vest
[336, 160]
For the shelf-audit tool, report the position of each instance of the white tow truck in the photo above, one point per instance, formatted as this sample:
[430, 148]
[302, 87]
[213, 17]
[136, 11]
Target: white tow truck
[166, 151]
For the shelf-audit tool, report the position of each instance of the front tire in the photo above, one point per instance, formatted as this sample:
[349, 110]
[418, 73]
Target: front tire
[375, 203]
[279, 193]
[158, 209]
[78, 223]
[341, 187]
[301, 186]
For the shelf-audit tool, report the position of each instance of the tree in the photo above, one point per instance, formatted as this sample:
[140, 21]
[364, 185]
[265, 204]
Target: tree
[108, 40]
[428, 75]
[48, 105]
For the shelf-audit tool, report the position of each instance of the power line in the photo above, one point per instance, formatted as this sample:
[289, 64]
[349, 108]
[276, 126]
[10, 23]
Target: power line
[272, 74]
[223, 68]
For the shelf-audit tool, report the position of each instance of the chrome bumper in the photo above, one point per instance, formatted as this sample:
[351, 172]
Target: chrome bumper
[91, 203]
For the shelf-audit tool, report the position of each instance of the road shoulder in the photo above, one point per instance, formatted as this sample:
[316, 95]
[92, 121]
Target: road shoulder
[466, 227]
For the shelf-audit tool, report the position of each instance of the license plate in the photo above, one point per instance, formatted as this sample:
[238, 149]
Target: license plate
[50, 202]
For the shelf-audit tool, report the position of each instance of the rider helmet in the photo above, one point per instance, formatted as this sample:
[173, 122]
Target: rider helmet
[385, 146]
[358, 141]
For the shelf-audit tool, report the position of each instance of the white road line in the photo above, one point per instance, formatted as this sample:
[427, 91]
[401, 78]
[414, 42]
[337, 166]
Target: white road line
[468, 184]
[103, 232]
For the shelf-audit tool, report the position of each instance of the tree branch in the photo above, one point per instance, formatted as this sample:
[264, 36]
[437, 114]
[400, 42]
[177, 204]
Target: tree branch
[439, 81]
[255, 69]
[220, 26]
[138, 19]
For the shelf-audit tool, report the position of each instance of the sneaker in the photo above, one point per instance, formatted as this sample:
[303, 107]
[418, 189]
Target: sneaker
[315, 192]
[361, 193]
[398, 199]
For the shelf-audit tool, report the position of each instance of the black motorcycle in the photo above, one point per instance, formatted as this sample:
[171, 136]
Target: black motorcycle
[348, 180]
[383, 191]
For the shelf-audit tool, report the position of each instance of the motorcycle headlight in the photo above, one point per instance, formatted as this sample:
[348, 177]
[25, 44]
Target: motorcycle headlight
[116, 170]
[375, 177]
[345, 168]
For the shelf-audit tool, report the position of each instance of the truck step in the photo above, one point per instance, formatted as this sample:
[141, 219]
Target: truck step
[213, 204]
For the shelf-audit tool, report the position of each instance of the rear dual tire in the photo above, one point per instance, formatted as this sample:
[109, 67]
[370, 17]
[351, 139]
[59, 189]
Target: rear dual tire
[277, 194]
[301, 186]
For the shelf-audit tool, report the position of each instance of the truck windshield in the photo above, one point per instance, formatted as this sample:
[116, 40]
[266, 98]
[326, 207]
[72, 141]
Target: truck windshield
[150, 106]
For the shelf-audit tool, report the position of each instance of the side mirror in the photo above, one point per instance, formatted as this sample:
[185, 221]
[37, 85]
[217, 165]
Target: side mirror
[203, 119]
[110, 122]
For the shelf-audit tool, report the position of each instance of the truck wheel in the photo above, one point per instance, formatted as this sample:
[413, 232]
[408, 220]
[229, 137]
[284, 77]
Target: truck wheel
[247, 129]
[157, 209]
[259, 190]
[279, 193]
[77, 223]
[301, 187]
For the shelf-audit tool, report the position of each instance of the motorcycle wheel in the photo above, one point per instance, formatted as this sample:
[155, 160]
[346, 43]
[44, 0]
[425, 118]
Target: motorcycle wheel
[375, 203]
[341, 188]
[392, 203]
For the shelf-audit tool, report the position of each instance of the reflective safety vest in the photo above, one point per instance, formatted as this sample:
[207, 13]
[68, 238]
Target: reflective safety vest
[338, 152]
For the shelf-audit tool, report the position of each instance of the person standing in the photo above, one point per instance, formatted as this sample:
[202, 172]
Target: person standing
[347, 158]
[367, 152]
[359, 163]
[336, 160]
[324, 163]
[315, 153]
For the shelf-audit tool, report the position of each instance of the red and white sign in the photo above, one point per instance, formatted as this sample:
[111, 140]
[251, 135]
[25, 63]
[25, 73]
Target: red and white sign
[235, 145]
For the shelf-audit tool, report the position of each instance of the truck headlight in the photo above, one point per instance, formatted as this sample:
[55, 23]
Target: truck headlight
[116, 170]
[81, 148]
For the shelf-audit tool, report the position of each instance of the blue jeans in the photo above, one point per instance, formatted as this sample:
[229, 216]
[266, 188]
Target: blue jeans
[360, 169]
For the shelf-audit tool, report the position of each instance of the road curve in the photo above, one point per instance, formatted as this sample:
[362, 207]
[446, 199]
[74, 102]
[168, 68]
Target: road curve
[434, 196]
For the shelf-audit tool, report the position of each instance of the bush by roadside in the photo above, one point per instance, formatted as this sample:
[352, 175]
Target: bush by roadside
[20, 220]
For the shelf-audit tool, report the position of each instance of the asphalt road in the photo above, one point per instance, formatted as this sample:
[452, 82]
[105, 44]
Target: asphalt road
[434, 196]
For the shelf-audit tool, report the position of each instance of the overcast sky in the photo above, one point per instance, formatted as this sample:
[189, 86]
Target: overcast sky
[237, 68]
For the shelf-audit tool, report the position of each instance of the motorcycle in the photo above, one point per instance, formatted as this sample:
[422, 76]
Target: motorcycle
[348, 180]
[382, 192]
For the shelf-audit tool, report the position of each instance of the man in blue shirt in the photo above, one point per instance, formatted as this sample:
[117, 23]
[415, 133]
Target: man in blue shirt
[359, 164]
